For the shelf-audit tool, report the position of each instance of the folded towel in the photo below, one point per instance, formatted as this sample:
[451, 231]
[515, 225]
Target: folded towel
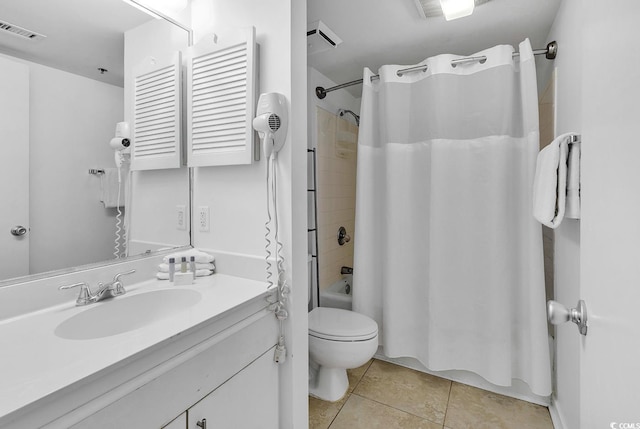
[164, 268]
[109, 186]
[573, 182]
[199, 273]
[550, 183]
[200, 256]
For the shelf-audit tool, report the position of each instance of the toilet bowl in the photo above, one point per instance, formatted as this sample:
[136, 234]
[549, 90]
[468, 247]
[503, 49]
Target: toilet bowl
[338, 340]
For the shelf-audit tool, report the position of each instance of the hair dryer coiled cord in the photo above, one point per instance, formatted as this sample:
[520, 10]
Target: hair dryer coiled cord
[116, 250]
[278, 302]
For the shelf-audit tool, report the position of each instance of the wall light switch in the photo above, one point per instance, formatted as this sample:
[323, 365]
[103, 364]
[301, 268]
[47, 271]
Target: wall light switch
[203, 218]
[181, 217]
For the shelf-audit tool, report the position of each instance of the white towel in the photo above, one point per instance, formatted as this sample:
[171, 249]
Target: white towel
[550, 183]
[573, 182]
[109, 188]
[201, 257]
[164, 268]
[199, 273]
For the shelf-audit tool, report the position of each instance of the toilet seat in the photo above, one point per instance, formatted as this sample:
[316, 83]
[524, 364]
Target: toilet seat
[336, 324]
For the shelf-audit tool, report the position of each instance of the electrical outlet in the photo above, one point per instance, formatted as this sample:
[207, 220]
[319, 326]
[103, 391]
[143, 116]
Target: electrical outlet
[203, 218]
[181, 217]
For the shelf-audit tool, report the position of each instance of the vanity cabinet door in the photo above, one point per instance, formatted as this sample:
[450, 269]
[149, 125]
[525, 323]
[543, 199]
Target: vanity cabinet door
[247, 400]
[179, 423]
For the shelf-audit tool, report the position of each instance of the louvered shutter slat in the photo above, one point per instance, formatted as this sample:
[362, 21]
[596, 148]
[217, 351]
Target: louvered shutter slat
[221, 99]
[156, 130]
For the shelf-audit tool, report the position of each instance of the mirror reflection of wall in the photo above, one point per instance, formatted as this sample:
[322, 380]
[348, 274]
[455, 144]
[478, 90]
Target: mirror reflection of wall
[69, 111]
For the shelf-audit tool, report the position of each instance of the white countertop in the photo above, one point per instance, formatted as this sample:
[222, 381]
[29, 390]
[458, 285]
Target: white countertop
[34, 362]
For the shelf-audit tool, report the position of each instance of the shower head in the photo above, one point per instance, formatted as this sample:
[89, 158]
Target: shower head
[342, 112]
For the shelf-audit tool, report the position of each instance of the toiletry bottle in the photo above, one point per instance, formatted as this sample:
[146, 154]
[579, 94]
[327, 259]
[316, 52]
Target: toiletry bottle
[172, 268]
[192, 266]
[183, 265]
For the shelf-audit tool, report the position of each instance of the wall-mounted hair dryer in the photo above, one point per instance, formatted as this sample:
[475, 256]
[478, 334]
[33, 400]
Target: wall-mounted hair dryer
[121, 143]
[271, 122]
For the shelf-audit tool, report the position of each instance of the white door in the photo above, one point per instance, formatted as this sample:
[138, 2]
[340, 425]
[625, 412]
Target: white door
[14, 168]
[610, 226]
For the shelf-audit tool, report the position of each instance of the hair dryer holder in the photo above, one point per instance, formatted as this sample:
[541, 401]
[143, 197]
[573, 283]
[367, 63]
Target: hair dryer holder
[271, 121]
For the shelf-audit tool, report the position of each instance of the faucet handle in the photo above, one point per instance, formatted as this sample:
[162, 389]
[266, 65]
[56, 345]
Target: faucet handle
[84, 297]
[117, 284]
[116, 278]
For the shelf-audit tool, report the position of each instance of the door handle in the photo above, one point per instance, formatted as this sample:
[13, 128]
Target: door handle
[18, 230]
[558, 313]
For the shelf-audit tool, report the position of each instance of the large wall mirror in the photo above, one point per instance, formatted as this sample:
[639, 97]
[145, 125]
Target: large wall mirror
[63, 74]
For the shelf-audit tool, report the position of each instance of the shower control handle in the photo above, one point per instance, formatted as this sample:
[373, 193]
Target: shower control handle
[558, 314]
[202, 423]
[343, 237]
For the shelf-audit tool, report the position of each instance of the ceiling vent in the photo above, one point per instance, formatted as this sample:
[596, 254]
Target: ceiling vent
[8, 28]
[320, 38]
[432, 8]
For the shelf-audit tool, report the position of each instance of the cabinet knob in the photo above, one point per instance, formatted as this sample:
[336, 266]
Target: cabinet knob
[202, 424]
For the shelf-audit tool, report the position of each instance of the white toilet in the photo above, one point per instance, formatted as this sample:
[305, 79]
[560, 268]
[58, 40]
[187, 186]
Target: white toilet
[338, 340]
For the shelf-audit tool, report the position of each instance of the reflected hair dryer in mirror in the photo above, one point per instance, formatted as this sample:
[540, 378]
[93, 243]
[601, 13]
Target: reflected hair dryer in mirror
[271, 122]
[121, 143]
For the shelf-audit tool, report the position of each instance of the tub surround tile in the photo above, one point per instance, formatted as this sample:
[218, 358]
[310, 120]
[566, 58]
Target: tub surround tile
[359, 412]
[470, 407]
[414, 392]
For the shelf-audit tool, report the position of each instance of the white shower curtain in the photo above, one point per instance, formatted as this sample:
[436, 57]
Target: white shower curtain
[448, 258]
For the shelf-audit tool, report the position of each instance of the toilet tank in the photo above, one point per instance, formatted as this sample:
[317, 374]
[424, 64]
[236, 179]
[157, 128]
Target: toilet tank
[338, 295]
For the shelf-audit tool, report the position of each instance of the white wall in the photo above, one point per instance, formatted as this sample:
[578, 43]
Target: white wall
[567, 31]
[72, 119]
[236, 195]
[155, 193]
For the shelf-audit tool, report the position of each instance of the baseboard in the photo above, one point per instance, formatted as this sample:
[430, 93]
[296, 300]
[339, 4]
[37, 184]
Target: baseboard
[555, 415]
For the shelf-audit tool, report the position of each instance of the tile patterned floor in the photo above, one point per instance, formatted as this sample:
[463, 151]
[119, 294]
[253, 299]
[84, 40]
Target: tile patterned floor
[384, 395]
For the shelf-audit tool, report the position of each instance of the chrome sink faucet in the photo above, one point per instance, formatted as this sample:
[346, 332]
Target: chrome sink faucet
[105, 290]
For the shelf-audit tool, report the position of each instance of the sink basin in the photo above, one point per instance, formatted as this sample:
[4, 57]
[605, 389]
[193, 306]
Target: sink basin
[126, 313]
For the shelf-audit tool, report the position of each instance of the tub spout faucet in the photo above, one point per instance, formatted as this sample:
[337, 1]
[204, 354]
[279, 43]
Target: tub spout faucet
[105, 290]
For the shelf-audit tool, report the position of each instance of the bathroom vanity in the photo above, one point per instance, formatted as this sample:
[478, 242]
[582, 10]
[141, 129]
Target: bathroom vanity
[158, 356]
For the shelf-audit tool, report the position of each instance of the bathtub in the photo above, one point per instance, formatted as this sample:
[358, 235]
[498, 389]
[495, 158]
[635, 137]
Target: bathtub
[338, 295]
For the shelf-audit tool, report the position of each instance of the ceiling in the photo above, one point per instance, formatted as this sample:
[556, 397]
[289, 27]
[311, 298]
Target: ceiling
[82, 35]
[378, 32]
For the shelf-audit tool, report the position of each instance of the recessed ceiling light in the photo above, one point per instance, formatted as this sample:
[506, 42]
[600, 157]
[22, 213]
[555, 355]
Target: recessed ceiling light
[433, 8]
[454, 9]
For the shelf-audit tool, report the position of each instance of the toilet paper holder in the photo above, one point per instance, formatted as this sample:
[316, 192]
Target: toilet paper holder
[558, 313]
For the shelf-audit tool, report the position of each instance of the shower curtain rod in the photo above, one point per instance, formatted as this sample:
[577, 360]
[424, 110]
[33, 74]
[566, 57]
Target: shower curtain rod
[549, 52]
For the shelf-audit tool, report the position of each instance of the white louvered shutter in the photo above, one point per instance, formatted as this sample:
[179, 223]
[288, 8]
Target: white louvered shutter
[157, 115]
[221, 98]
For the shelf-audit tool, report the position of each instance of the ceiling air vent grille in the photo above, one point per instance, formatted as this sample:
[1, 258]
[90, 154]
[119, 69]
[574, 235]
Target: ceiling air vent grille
[8, 28]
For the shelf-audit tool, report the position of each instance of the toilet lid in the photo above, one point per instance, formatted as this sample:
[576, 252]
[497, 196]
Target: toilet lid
[341, 325]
